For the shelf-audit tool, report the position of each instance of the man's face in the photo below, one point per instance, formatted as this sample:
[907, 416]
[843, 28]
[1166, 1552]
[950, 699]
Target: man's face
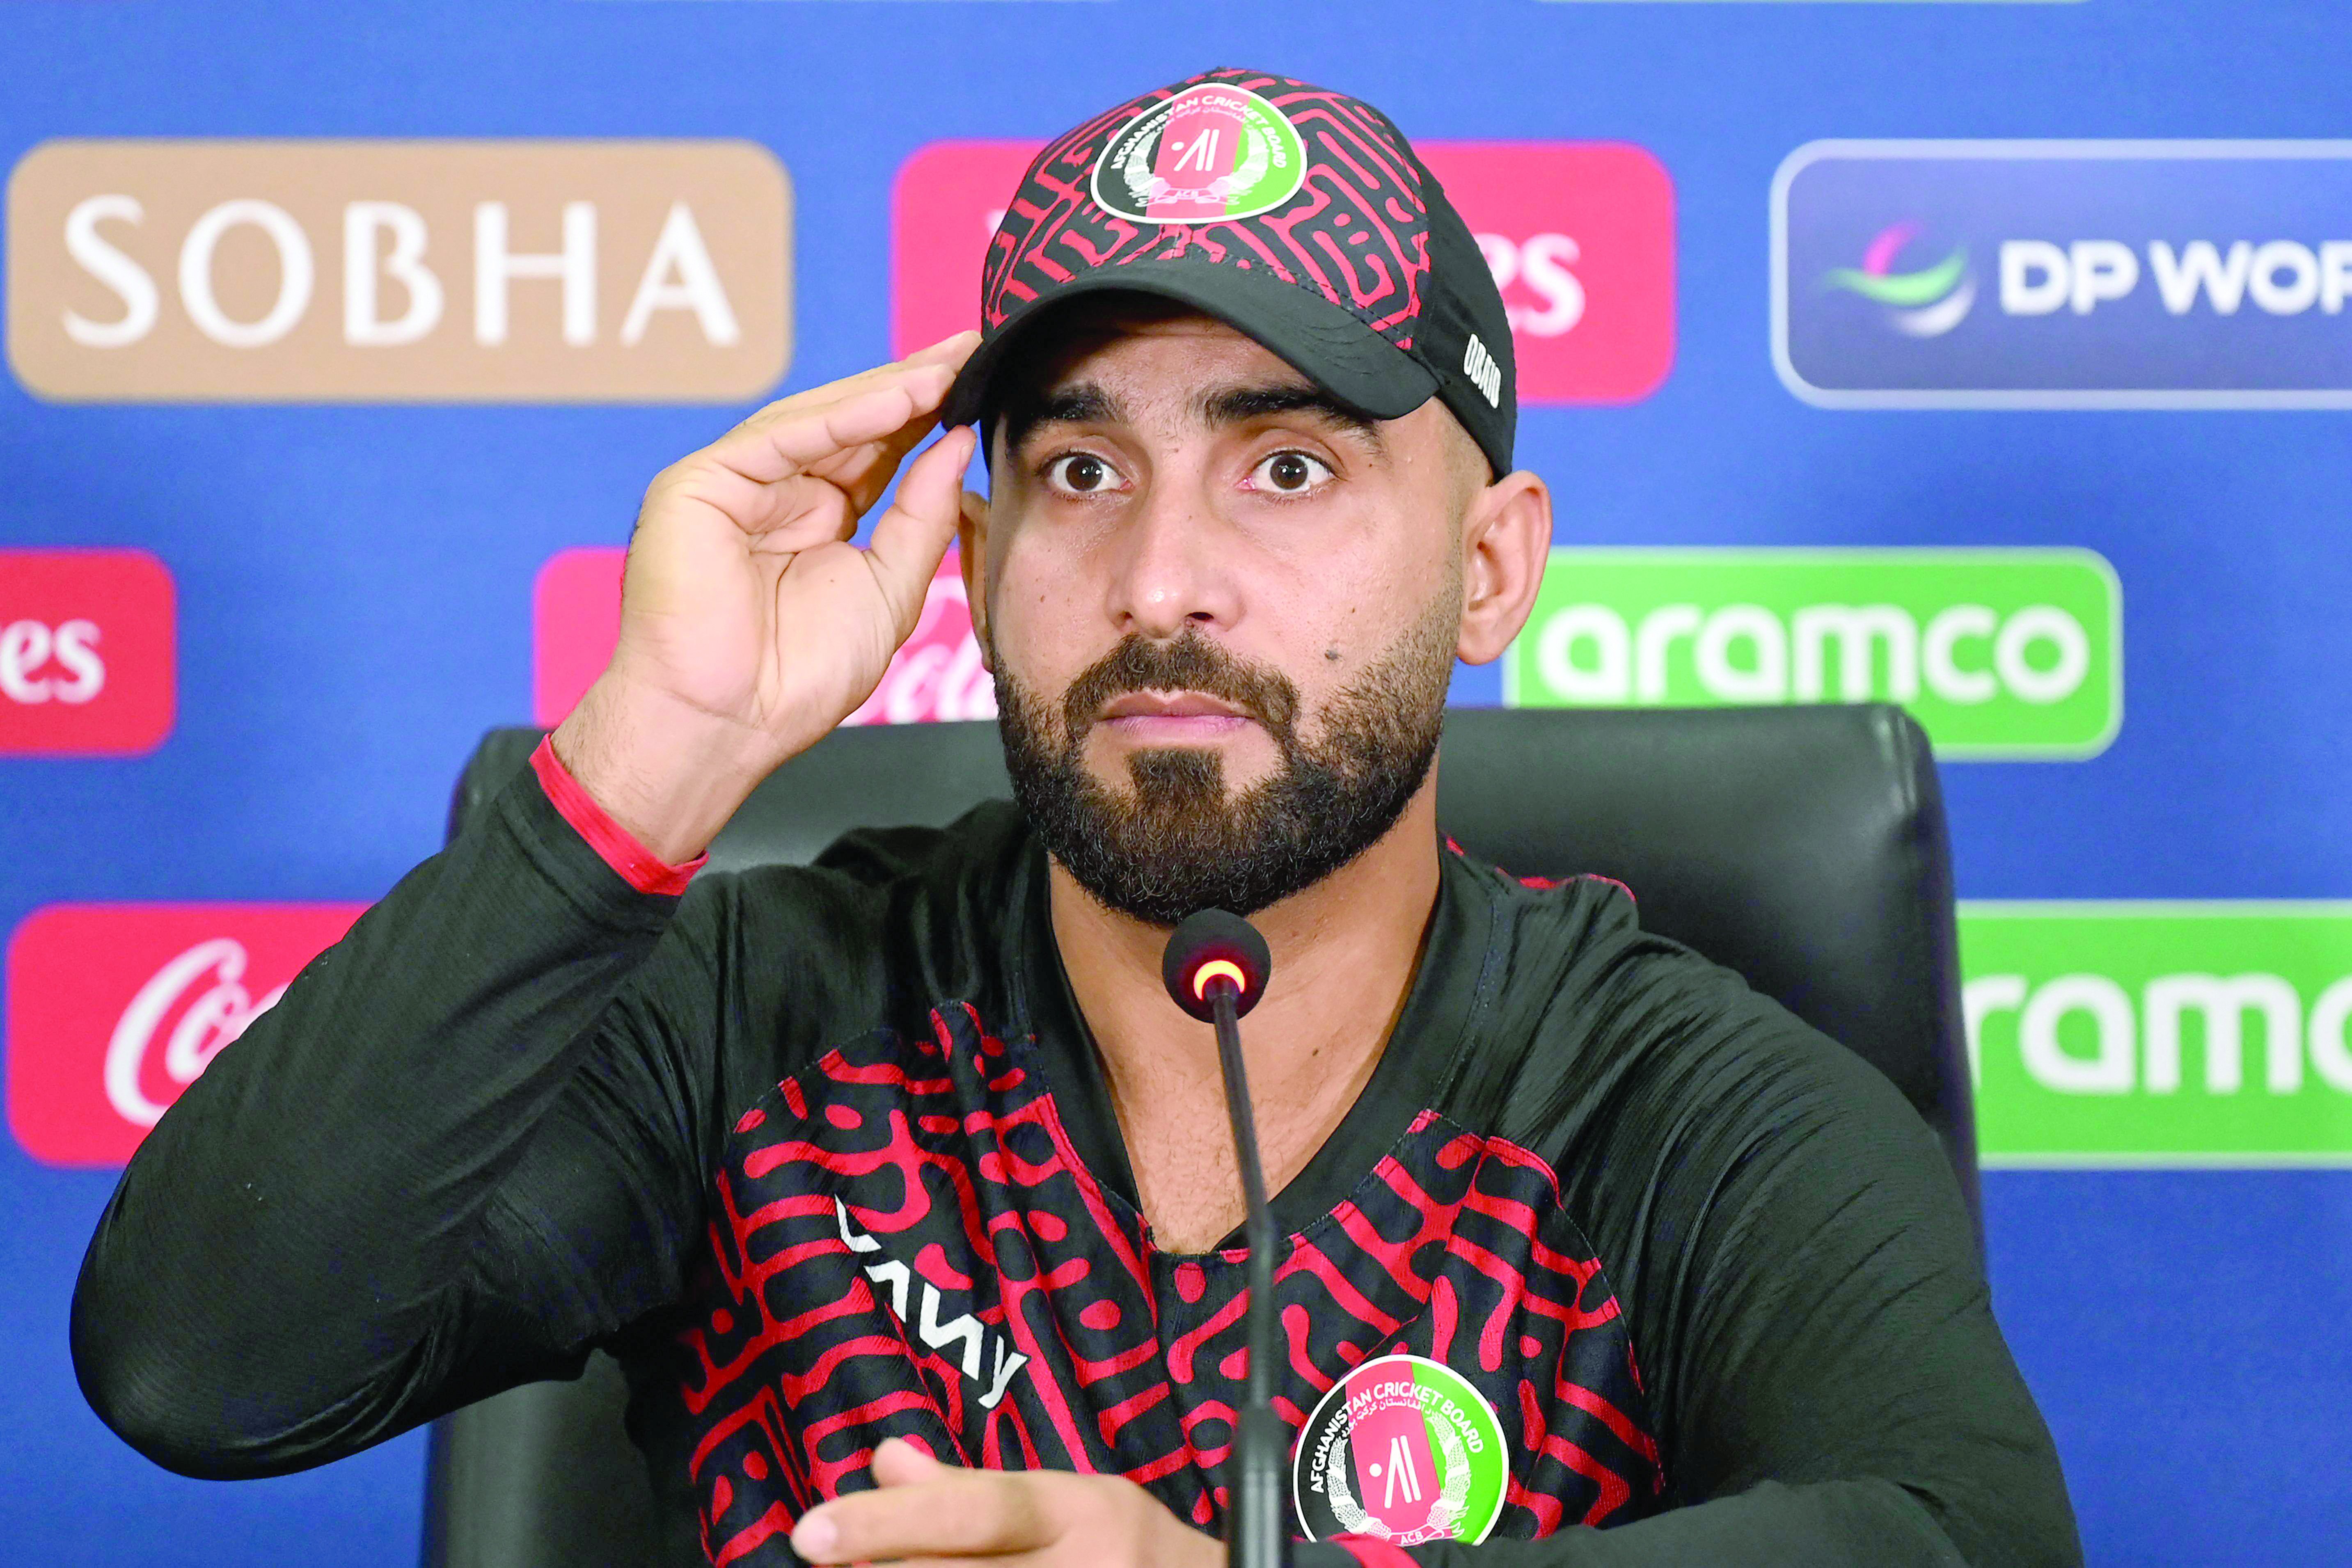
[1222, 611]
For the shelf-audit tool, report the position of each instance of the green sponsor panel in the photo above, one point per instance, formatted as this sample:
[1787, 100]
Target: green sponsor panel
[1997, 653]
[2161, 1033]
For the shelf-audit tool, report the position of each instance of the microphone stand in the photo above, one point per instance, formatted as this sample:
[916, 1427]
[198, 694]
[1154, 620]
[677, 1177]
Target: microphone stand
[1256, 1533]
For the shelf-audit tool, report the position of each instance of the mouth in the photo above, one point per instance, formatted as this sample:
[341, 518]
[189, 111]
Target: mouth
[1172, 718]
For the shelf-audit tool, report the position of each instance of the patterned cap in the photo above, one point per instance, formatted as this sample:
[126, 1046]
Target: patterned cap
[1299, 216]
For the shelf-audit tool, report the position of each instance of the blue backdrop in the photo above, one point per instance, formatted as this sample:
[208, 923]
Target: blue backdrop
[354, 581]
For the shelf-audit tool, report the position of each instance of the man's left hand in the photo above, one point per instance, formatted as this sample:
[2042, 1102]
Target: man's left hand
[924, 1513]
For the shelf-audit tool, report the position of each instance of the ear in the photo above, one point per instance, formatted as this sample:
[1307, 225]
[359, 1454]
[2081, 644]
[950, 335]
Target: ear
[1505, 540]
[971, 557]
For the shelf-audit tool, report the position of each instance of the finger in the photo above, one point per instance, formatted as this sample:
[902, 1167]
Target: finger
[785, 439]
[911, 538]
[803, 513]
[898, 1463]
[864, 472]
[805, 508]
[904, 395]
[969, 1513]
[792, 513]
[952, 350]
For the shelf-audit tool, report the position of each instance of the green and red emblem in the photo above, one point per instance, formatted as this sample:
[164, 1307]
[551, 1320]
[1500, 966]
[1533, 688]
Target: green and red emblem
[1405, 1450]
[1211, 151]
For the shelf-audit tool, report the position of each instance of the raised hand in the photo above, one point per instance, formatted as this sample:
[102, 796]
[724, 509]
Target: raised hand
[750, 625]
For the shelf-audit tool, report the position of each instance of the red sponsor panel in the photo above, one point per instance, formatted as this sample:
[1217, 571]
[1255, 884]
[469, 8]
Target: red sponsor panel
[88, 652]
[576, 615]
[113, 1009]
[576, 618]
[944, 208]
[1580, 237]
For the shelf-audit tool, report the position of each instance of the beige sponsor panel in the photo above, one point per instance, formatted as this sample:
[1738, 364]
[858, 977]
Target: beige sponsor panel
[363, 271]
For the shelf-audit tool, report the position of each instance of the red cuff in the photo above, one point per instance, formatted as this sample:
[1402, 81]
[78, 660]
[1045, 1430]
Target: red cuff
[1372, 1552]
[636, 865]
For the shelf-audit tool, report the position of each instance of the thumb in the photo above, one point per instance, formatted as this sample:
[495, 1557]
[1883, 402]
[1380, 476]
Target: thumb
[898, 1463]
[912, 537]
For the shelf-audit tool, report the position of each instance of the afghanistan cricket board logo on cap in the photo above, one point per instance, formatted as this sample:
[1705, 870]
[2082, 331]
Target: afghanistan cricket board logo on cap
[1209, 152]
[1405, 1450]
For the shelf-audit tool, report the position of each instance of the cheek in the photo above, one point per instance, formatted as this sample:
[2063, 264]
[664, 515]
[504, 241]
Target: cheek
[1041, 627]
[1331, 622]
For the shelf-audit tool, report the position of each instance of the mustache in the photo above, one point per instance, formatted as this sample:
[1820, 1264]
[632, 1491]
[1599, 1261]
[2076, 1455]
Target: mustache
[1190, 662]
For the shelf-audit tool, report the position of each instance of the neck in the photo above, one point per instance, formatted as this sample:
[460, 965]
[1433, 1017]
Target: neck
[1344, 954]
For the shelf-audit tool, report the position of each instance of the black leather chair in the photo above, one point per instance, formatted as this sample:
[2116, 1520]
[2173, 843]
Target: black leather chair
[1804, 847]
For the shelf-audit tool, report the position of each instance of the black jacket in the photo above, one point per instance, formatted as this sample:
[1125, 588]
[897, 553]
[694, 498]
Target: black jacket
[824, 1154]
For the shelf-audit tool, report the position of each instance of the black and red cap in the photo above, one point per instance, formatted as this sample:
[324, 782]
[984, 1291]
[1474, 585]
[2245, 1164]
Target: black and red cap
[1299, 216]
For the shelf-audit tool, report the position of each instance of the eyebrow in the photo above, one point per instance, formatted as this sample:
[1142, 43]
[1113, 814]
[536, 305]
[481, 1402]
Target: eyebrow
[1241, 404]
[1087, 403]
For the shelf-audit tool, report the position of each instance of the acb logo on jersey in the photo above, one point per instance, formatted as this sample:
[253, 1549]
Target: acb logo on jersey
[1405, 1450]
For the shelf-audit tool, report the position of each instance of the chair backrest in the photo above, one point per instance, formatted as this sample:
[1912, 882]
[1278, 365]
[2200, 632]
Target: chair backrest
[1804, 847]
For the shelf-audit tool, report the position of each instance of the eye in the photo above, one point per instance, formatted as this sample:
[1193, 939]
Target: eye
[1081, 474]
[1289, 473]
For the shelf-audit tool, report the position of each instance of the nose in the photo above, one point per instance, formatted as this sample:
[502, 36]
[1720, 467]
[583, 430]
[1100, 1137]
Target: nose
[1172, 567]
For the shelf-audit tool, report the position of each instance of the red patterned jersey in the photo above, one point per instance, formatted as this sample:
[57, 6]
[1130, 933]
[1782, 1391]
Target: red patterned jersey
[1611, 1261]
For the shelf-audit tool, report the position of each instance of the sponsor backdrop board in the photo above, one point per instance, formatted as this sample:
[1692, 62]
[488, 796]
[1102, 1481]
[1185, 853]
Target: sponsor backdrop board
[2178, 274]
[1991, 357]
[2161, 1033]
[1997, 653]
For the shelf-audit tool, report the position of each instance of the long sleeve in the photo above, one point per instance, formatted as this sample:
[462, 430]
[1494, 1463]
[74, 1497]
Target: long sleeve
[460, 1149]
[1803, 1293]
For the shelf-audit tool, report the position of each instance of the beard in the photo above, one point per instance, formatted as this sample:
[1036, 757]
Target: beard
[1176, 841]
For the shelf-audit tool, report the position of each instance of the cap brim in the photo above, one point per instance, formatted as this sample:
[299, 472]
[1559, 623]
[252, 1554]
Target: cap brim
[1360, 368]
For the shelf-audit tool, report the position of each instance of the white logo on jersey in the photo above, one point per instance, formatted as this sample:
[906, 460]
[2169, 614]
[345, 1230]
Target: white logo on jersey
[889, 1274]
[1402, 1477]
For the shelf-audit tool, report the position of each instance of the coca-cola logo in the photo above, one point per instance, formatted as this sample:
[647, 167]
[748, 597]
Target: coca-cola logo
[201, 991]
[937, 672]
[576, 621]
[87, 652]
[1580, 237]
[114, 1009]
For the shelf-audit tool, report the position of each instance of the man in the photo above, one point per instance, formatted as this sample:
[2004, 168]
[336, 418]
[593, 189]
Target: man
[901, 1191]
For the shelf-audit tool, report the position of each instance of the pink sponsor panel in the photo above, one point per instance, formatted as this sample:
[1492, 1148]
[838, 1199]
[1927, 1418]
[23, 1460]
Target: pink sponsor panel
[114, 1009]
[88, 652]
[944, 208]
[576, 621]
[1581, 238]
[1579, 234]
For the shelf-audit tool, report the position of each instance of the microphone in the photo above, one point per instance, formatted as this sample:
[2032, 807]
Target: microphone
[1215, 968]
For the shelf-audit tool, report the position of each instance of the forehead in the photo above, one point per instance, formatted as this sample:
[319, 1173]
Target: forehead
[1145, 346]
